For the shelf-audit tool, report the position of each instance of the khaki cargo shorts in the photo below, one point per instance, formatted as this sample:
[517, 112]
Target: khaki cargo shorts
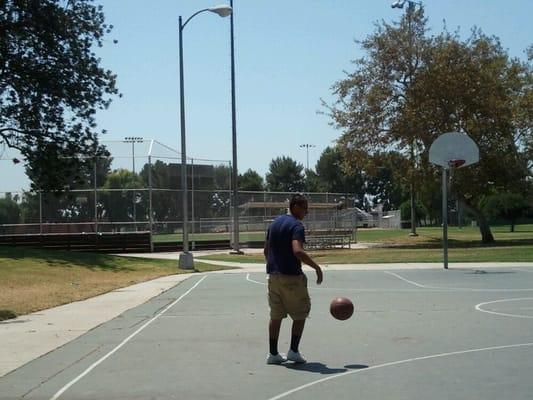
[287, 294]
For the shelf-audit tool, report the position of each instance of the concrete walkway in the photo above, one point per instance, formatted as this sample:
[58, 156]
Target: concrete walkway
[31, 336]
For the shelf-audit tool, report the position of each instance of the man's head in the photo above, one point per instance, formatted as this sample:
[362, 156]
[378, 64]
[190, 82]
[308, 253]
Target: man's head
[298, 206]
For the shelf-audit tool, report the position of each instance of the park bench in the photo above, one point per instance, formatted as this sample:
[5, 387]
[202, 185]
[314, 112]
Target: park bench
[328, 238]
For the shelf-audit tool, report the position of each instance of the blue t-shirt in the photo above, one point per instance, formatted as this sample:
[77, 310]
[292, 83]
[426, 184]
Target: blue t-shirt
[281, 233]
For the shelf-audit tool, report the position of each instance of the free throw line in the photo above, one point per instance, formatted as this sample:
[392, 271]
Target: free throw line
[101, 360]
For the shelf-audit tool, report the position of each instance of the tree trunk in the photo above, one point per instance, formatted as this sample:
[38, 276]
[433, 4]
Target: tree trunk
[484, 228]
[512, 225]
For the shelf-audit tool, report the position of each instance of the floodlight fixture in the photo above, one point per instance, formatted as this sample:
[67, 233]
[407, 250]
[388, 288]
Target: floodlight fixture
[401, 3]
[398, 4]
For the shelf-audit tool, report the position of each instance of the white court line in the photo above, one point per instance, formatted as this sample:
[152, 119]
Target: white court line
[406, 280]
[451, 289]
[94, 365]
[429, 288]
[251, 280]
[478, 307]
[360, 371]
[348, 290]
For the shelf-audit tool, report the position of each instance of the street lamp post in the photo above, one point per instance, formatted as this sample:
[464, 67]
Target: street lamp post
[410, 9]
[186, 259]
[236, 243]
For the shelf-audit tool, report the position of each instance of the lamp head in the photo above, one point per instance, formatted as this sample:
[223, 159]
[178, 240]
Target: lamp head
[222, 10]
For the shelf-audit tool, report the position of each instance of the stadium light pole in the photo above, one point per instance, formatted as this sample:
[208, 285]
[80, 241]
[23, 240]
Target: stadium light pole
[410, 8]
[307, 146]
[133, 140]
[186, 259]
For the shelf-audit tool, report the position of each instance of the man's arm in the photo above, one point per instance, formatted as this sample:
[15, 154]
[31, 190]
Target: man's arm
[301, 255]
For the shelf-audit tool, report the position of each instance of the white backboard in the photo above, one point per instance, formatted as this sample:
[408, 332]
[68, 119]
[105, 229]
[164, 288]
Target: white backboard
[453, 146]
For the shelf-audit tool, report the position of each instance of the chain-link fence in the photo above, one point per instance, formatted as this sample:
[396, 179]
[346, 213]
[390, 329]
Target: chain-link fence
[138, 189]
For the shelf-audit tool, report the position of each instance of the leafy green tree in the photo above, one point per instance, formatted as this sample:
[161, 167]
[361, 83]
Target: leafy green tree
[117, 201]
[77, 206]
[251, 181]
[337, 177]
[509, 206]
[9, 210]
[386, 181]
[29, 208]
[222, 174]
[52, 84]
[312, 181]
[420, 211]
[285, 175]
[410, 88]
[165, 204]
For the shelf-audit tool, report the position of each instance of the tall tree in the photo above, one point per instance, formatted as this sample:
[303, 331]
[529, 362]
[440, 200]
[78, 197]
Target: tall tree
[509, 206]
[410, 88]
[165, 203]
[285, 175]
[251, 181]
[385, 180]
[335, 176]
[312, 181]
[52, 84]
[9, 210]
[222, 175]
[118, 200]
[474, 87]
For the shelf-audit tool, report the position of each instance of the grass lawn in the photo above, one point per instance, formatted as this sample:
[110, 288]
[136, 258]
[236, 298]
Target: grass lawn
[397, 246]
[399, 255]
[35, 279]
[177, 237]
[466, 234]
[389, 236]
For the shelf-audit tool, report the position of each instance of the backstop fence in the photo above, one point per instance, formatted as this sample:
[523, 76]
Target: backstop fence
[138, 189]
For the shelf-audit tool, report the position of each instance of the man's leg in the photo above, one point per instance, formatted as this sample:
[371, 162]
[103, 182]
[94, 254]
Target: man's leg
[297, 330]
[273, 333]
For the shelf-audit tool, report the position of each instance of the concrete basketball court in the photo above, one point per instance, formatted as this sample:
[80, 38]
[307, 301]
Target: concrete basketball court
[464, 333]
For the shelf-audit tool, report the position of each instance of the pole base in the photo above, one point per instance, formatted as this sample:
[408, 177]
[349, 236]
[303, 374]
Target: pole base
[238, 252]
[413, 234]
[186, 261]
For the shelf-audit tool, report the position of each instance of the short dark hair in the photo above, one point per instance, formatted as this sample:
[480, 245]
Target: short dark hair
[298, 199]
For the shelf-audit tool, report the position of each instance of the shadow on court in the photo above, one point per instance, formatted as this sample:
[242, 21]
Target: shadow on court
[315, 367]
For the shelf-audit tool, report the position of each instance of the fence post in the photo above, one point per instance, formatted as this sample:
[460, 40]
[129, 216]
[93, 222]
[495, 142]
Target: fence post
[265, 212]
[150, 202]
[95, 198]
[192, 195]
[230, 222]
[41, 212]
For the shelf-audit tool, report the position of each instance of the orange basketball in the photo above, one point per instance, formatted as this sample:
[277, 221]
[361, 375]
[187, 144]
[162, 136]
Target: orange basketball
[341, 308]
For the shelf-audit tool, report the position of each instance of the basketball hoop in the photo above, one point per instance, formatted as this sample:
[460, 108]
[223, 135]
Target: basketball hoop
[450, 151]
[455, 163]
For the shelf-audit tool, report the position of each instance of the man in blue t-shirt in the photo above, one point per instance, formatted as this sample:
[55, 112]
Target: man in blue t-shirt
[287, 284]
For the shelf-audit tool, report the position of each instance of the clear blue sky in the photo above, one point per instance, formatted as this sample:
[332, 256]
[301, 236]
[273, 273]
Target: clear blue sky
[288, 54]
